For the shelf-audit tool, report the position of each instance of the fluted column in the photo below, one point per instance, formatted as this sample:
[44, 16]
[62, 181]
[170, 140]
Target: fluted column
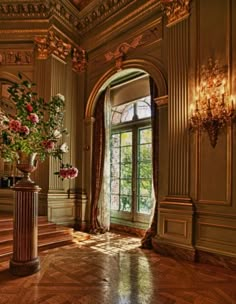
[25, 259]
[178, 133]
[175, 213]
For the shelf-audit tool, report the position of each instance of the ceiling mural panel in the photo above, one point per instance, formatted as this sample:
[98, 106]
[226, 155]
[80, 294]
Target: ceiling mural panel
[80, 4]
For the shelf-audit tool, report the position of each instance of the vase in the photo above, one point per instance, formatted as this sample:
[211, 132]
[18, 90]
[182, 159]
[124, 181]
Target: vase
[26, 163]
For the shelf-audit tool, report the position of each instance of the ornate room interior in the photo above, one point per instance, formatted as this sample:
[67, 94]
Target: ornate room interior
[150, 109]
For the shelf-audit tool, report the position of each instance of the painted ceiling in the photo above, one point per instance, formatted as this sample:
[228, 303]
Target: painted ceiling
[80, 4]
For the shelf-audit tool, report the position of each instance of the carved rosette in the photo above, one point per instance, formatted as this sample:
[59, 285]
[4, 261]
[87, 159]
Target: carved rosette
[175, 10]
[52, 44]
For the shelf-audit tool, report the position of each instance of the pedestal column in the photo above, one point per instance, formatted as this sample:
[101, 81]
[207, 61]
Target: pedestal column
[25, 260]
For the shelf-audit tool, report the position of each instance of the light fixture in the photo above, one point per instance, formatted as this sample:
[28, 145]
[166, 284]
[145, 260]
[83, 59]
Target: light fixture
[213, 108]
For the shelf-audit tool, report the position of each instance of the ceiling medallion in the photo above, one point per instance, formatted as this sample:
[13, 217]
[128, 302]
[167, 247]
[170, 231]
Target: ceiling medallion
[175, 10]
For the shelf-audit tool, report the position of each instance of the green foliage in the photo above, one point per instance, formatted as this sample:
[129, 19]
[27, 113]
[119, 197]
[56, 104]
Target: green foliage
[36, 126]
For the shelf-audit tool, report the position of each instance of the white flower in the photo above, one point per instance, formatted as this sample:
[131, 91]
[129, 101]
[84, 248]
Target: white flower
[57, 134]
[60, 96]
[3, 121]
[64, 148]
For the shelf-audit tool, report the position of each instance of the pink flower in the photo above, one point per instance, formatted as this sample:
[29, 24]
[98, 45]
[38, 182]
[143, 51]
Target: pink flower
[48, 144]
[29, 108]
[25, 130]
[33, 118]
[70, 172]
[15, 125]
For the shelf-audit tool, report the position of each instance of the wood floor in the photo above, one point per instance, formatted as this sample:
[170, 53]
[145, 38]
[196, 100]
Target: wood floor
[112, 269]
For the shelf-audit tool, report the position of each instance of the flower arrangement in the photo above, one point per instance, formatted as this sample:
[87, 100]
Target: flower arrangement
[36, 127]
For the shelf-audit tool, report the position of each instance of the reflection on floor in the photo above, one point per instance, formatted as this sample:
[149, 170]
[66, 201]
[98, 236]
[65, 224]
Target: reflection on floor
[112, 269]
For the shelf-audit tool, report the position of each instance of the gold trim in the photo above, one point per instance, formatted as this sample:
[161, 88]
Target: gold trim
[144, 65]
[175, 10]
[161, 101]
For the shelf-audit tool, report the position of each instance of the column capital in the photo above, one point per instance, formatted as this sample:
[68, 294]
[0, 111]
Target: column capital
[175, 10]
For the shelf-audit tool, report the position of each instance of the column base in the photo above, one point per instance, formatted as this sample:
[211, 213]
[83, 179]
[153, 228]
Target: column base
[22, 269]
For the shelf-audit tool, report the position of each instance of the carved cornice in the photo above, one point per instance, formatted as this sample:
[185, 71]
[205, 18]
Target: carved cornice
[26, 10]
[52, 44]
[16, 56]
[120, 52]
[175, 10]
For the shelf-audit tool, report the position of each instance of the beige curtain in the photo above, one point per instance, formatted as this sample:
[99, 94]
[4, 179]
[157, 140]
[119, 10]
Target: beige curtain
[146, 241]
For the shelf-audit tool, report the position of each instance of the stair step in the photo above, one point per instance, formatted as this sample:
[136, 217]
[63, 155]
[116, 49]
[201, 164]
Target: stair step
[50, 235]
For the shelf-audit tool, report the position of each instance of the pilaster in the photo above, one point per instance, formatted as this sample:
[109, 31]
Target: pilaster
[175, 216]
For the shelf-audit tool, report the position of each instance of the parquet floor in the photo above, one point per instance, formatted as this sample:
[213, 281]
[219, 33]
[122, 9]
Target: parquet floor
[112, 269]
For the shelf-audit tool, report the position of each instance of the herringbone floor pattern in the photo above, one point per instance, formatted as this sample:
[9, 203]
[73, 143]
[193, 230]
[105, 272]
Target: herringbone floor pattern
[112, 269]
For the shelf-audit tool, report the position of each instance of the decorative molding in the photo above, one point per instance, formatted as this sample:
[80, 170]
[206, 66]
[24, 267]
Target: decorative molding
[79, 59]
[16, 56]
[162, 101]
[175, 10]
[120, 52]
[179, 252]
[27, 10]
[52, 44]
[100, 13]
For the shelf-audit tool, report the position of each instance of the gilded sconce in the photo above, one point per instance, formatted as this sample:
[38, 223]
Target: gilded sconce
[213, 108]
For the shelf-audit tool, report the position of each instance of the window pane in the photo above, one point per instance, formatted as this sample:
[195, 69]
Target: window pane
[128, 113]
[145, 170]
[144, 205]
[115, 155]
[115, 186]
[145, 152]
[125, 203]
[126, 154]
[126, 170]
[116, 116]
[125, 186]
[126, 139]
[115, 170]
[144, 187]
[143, 109]
[115, 202]
[115, 140]
[145, 136]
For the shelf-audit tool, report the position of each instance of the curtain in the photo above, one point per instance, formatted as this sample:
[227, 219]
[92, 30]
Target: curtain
[146, 241]
[104, 197]
[97, 163]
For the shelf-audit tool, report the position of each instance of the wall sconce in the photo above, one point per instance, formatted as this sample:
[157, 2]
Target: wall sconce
[213, 108]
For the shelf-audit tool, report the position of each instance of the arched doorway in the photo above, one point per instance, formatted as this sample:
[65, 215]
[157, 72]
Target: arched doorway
[129, 202]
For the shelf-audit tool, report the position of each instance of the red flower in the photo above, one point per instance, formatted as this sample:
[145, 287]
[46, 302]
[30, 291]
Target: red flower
[29, 108]
[48, 144]
[15, 125]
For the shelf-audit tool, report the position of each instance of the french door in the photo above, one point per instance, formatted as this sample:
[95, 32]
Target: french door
[131, 174]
